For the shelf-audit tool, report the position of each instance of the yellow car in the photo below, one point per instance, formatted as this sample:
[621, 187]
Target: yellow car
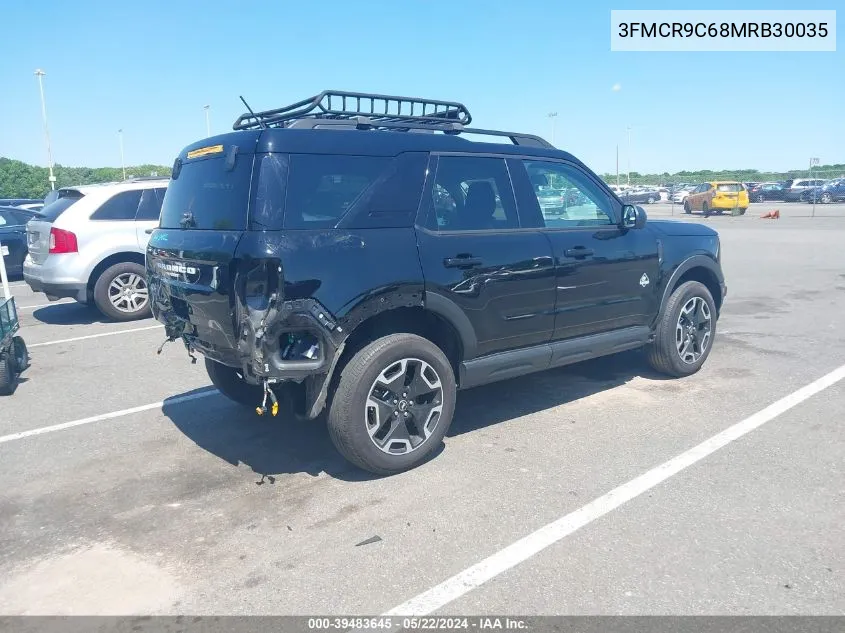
[718, 196]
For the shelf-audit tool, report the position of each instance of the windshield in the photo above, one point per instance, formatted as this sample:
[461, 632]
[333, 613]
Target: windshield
[731, 187]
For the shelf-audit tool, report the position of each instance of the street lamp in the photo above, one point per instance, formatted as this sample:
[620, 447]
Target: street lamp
[40, 73]
[629, 155]
[553, 117]
[122, 161]
[207, 120]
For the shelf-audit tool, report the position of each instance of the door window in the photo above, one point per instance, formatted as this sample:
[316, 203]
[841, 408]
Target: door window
[150, 205]
[471, 194]
[567, 197]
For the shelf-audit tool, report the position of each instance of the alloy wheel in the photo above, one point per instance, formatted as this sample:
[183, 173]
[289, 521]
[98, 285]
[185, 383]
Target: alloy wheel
[403, 406]
[128, 293]
[693, 330]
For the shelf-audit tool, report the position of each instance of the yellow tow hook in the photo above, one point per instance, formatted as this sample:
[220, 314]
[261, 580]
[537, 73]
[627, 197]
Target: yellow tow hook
[274, 407]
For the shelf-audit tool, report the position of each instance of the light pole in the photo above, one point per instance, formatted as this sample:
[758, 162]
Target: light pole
[122, 161]
[629, 155]
[207, 120]
[40, 73]
[617, 168]
[813, 161]
[553, 117]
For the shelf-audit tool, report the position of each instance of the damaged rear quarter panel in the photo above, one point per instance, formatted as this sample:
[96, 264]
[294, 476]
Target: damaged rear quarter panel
[352, 274]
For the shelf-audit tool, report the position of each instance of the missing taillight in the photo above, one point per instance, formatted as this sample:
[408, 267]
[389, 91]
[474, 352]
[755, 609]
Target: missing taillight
[300, 346]
[62, 241]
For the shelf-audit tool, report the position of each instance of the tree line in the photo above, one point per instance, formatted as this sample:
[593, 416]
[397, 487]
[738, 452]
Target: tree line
[741, 175]
[21, 180]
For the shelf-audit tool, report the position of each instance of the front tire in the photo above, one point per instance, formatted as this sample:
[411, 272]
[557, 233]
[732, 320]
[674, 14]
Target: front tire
[826, 198]
[686, 331]
[760, 198]
[121, 292]
[650, 200]
[230, 384]
[393, 404]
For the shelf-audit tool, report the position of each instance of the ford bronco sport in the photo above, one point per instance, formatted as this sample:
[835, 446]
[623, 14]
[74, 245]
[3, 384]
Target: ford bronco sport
[359, 253]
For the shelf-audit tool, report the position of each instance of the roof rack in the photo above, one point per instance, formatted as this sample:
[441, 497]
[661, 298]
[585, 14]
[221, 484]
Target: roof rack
[144, 178]
[337, 104]
[360, 110]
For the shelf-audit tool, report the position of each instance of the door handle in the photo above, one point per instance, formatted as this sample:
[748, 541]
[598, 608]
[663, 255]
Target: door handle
[462, 261]
[578, 251]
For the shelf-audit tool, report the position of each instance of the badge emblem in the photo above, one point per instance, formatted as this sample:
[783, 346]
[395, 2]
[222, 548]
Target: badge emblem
[644, 280]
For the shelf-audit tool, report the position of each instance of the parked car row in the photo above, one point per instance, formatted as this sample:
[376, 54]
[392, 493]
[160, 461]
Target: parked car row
[784, 190]
[88, 243]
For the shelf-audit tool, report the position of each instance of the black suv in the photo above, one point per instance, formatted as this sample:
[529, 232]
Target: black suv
[359, 253]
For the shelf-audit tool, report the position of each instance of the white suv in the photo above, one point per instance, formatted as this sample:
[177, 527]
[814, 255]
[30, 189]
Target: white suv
[89, 244]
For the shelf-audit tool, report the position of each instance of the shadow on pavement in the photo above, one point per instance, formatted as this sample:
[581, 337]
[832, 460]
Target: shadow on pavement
[277, 446]
[69, 314]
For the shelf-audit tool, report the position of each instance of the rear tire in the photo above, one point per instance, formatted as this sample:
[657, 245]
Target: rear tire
[760, 198]
[364, 412]
[826, 198]
[742, 210]
[664, 354]
[231, 385]
[20, 353]
[687, 207]
[8, 375]
[650, 200]
[119, 288]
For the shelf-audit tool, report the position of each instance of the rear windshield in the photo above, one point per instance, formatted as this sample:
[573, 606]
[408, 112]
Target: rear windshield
[730, 186]
[52, 211]
[208, 194]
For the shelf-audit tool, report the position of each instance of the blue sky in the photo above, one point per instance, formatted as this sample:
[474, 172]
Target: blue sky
[149, 67]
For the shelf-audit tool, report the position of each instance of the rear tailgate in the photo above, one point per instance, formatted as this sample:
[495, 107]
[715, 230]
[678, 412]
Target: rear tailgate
[727, 191]
[38, 228]
[189, 257]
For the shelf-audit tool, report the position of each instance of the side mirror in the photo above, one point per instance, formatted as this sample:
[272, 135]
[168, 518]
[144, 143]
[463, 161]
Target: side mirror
[633, 217]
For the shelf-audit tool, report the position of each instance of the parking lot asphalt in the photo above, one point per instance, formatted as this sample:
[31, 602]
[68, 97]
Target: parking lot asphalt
[163, 497]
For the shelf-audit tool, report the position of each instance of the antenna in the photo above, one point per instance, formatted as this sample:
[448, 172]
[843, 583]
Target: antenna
[260, 121]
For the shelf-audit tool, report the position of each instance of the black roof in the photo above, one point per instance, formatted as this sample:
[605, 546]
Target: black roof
[363, 142]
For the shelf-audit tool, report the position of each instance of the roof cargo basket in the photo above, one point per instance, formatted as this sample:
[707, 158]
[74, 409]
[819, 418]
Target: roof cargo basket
[377, 109]
[365, 111]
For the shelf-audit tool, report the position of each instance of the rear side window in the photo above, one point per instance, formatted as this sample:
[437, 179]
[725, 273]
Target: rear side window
[121, 206]
[730, 187]
[323, 187]
[316, 191]
[61, 203]
[208, 194]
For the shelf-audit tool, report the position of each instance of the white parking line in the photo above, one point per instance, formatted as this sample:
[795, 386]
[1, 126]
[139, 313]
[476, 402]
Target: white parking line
[84, 338]
[105, 416]
[43, 305]
[523, 549]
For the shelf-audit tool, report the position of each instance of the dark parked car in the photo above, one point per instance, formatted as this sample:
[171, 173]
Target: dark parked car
[13, 202]
[640, 196]
[766, 191]
[324, 256]
[832, 191]
[13, 237]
